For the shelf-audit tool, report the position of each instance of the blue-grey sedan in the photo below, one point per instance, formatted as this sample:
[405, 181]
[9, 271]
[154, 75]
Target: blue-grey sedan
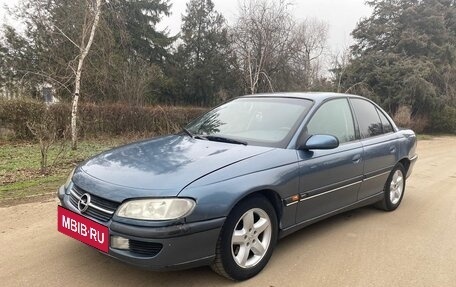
[235, 180]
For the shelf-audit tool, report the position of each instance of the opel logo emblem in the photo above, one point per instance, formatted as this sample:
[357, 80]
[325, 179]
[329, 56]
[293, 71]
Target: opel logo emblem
[84, 202]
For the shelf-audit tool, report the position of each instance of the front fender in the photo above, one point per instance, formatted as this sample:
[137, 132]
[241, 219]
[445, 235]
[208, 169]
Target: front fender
[217, 198]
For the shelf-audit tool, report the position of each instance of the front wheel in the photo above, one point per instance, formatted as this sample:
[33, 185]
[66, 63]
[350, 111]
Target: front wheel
[394, 189]
[247, 239]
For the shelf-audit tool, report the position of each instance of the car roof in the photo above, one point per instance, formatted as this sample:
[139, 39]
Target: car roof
[314, 96]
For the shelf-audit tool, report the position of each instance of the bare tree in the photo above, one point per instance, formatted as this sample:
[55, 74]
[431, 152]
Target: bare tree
[262, 37]
[338, 66]
[90, 26]
[275, 51]
[310, 40]
[134, 81]
[45, 130]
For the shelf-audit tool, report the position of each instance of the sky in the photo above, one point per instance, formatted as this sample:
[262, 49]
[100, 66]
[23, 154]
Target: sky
[341, 16]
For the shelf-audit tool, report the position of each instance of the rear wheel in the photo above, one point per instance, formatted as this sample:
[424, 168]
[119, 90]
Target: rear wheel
[394, 189]
[247, 239]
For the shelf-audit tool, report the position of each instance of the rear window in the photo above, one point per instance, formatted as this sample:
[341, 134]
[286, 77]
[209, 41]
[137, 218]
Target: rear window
[387, 127]
[369, 122]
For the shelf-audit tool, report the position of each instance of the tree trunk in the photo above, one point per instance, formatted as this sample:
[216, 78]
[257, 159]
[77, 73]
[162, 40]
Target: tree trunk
[84, 50]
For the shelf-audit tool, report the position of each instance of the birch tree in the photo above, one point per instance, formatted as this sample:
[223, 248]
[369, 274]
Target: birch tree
[90, 26]
[57, 37]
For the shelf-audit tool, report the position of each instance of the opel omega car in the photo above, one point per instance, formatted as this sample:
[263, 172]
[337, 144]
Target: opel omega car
[235, 180]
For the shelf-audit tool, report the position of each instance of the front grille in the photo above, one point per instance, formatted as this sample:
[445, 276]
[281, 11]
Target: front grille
[145, 248]
[100, 208]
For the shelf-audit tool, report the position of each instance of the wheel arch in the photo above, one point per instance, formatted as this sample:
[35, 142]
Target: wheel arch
[271, 195]
[405, 163]
[224, 263]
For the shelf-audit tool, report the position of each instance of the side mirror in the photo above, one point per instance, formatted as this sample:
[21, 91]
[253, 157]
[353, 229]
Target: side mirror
[320, 142]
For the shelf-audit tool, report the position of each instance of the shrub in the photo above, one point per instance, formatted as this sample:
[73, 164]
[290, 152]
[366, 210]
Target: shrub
[97, 120]
[444, 120]
[14, 115]
[46, 131]
[403, 118]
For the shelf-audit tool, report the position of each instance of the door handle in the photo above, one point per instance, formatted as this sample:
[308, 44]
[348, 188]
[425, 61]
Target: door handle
[356, 159]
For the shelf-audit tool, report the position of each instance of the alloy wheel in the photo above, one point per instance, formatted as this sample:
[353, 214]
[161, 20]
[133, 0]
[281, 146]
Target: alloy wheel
[396, 186]
[251, 238]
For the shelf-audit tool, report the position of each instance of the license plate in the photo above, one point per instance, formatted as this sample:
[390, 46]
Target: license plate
[83, 229]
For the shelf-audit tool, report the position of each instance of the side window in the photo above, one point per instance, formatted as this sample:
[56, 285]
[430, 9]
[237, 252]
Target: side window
[387, 127]
[333, 118]
[368, 119]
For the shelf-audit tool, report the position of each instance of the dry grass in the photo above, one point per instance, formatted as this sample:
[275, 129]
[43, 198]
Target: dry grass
[403, 118]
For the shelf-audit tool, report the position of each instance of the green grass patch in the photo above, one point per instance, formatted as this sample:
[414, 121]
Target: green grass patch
[30, 187]
[20, 173]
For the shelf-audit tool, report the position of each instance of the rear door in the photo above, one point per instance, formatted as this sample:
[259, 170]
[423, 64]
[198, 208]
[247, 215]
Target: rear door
[330, 179]
[380, 146]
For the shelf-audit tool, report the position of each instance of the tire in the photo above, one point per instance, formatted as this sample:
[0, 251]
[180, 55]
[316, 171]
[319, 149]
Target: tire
[247, 239]
[394, 189]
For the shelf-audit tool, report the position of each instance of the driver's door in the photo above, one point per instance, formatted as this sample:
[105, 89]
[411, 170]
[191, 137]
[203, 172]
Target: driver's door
[330, 179]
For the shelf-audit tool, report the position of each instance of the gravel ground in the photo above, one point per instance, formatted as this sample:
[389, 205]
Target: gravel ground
[412, 246]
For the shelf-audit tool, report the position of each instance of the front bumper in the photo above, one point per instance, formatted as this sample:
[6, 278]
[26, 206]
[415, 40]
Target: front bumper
[179, 246]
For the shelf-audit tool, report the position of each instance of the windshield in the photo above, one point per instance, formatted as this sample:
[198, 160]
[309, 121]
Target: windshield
[257, 121]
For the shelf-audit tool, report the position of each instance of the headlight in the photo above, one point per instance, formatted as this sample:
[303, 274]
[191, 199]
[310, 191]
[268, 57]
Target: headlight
[156, 209]
[68, 181]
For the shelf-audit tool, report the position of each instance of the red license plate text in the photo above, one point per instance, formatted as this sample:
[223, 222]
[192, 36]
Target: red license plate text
[82, 229]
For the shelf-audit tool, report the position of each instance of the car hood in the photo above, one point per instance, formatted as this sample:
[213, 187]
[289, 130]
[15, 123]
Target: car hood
[157, 167]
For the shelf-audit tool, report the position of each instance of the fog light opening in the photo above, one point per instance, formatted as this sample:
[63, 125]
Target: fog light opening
[118, 242]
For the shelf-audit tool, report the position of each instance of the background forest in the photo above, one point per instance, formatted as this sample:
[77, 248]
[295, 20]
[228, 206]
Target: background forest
[403, 56]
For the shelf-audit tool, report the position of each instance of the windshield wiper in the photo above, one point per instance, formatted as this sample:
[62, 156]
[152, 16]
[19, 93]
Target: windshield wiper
[225, 140]
[189, 133]
[213, 138]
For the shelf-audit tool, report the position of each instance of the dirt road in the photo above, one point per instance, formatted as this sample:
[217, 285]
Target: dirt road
[413, 246]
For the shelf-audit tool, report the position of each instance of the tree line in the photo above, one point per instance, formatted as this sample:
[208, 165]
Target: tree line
[132, 61]
[404, 54]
